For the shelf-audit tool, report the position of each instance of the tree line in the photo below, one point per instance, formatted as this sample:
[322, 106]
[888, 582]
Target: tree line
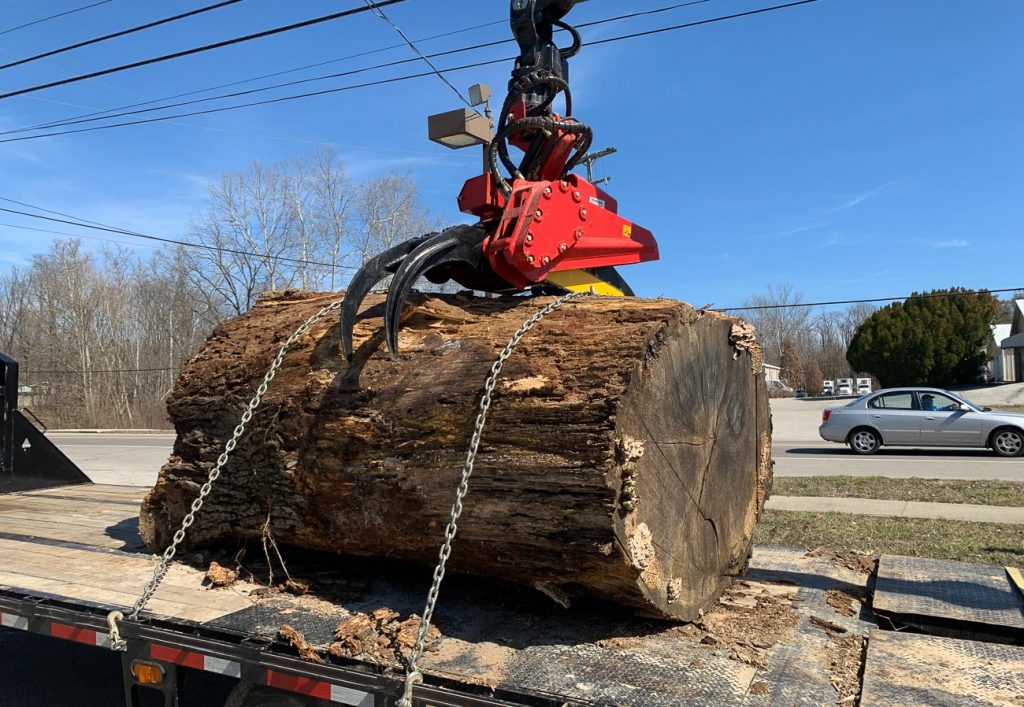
[101, 335]
[941, 338]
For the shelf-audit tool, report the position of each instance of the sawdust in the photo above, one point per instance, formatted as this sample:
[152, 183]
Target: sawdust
[844, 655]
[298, 641]
[748, 620]
[489, 662]
[219, 576]
[847, 603]
[854, 561]
[759, 687]
[379, 637]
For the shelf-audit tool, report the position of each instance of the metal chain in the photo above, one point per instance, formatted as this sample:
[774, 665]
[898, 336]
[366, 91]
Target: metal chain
[413, 676]
[118, 643]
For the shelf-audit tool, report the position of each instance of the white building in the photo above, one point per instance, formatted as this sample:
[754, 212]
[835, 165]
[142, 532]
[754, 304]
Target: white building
[1012, 347]
[998, 365]
[772, 373]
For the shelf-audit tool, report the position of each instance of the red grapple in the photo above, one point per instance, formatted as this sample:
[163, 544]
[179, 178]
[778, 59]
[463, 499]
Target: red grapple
[549, 226]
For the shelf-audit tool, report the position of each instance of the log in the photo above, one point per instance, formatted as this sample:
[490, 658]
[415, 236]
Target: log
[626, 455]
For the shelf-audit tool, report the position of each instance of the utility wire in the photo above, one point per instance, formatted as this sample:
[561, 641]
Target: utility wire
[197, 50]
[82, 223]
[71, 221]
[64, 121]
[25, 372]
[380, 13]
[381, 82]
[121, 33]
[112, 112]
[875, 300]
[53, 17]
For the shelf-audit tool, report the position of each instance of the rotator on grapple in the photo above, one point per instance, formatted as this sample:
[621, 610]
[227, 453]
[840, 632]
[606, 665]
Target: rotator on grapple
[541, 227]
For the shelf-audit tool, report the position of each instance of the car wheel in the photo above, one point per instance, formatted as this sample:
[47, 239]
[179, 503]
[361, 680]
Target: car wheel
[864, 441]
[1008, 442]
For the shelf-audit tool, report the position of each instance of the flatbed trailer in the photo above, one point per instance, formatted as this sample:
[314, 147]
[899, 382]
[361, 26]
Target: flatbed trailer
[801, 627]
[72, 554]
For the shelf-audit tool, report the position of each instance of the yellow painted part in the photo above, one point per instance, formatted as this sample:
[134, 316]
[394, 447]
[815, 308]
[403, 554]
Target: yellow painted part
[582, 281]
[1016, 578]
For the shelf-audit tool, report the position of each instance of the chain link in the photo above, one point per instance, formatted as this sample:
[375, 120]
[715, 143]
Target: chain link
[413, 675]
[118, 643]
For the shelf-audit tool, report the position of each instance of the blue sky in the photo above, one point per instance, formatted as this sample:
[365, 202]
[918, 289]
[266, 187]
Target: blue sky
[852, 148]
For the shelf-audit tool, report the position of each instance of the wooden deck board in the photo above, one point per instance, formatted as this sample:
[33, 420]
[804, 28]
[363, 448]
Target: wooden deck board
[63, 542]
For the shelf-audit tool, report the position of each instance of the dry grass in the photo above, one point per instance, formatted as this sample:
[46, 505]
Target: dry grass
[986, 543]
[986, 493]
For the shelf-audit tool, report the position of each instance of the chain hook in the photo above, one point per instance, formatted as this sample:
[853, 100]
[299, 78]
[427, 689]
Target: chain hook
[411, 680]
[117, 643]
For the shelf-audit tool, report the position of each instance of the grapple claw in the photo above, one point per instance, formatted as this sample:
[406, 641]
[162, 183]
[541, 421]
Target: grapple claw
[372, 272]
[459, 246]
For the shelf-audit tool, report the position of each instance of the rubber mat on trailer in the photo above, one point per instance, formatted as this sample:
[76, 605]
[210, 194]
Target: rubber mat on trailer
[913, 669]
[954, 599]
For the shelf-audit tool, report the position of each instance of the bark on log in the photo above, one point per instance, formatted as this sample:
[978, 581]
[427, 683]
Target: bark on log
[626, 456]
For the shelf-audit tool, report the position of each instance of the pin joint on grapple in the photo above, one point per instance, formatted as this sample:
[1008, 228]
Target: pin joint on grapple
[541, 221]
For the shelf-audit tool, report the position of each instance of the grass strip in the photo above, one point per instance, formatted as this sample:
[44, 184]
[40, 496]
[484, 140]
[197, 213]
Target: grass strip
[986, 493]
[985, 543]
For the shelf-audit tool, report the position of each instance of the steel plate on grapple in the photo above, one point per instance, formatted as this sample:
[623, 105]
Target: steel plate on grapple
[911, 669]
[949, 598]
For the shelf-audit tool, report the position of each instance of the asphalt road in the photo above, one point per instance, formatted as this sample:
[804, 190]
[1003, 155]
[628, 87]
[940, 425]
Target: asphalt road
[135, 459]
[122, 459]
[829, 459]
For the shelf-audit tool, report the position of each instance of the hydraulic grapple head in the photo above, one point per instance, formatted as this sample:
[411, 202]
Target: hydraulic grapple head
[541, 227]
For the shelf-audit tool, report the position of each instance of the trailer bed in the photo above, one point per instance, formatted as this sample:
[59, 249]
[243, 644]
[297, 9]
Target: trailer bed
[791, 632]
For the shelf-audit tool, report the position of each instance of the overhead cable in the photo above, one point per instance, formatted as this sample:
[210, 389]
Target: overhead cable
[53, 17]
[114, 112]
[380, 82]
[120, 33]
[197, 50]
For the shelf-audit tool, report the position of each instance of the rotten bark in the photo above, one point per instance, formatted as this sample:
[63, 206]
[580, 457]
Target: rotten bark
[626, 456]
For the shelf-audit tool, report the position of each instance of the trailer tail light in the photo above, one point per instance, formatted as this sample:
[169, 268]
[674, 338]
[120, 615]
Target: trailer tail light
[147, 673]
[825, 414]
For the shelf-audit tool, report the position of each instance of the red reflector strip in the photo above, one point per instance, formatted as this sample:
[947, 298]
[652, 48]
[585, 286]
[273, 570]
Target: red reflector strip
[303, 686]
[71, 633]
[13, 621]
[320, 690]
[198, 661]
[177, 656]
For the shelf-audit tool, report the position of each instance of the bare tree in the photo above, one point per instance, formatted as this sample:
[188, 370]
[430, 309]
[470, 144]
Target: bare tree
[781, 316]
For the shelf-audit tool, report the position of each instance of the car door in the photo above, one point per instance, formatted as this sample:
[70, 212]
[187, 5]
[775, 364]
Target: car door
[943, 424]
[895, 416]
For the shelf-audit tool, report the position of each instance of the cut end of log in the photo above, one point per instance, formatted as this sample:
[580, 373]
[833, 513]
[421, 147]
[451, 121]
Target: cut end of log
[626, 456]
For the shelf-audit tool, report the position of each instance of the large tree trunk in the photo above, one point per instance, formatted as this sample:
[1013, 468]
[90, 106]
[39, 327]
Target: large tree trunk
[626, 456]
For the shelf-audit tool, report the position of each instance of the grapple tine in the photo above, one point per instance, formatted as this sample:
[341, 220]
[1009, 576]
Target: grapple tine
[372, 272]
[459, 244]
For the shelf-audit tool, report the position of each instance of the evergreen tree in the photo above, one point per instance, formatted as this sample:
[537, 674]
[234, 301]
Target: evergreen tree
[927, 339]
[792, 372]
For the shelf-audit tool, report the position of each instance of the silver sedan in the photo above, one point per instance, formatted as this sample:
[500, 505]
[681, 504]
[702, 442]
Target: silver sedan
[922, 417]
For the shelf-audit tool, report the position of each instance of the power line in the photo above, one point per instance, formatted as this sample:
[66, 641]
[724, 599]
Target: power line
[197, 50]
[53, 17]
[381, 82]
[71, 119]
[112, 112]
[929, 295]
[380, 13]
[121, 33]
[25, 372]
[159, 239]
